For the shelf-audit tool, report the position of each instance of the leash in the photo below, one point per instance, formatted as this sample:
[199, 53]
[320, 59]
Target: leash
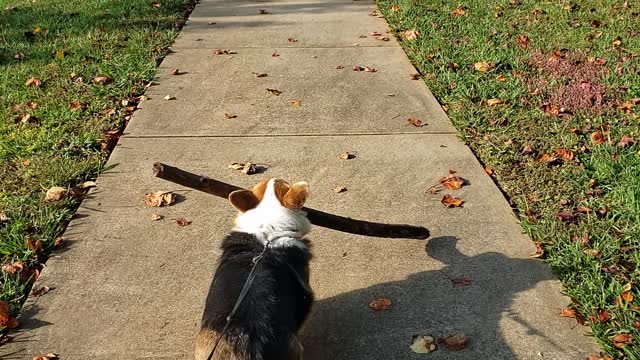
[245, 289]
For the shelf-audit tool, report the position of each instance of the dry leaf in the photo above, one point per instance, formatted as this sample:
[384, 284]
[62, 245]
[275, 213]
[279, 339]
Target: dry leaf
[159, 198]
[597, 137]
[275, 55]
[456, 342]
[339, 67]
[547, 158]
[357, 68]
[592, 252]
[156, 4]
[501, 78]
[598, 23]
[411, 34]
[259, 74]
[3, 217]
[249, 169]
[49, 356]
[458, 12]
[55, 193]
[414, 76]
[382, 38]
[75, 105]
[88, 184]
[339, 189]
[461, 281]
[452, 182]
[539, 251]
[450, 202]
[570, 313]
[567, 155]
[495, 101]
[59, 242]
[394, 8]
[482, 66]
[230, 116]
[223, 52]
[566, 216]
[274, 91]
[102, 80]
[627, 296]
[523, 41]
[183, 222]
[422, 344]
[41, 291]
[296, 102]
[488, 170]
[263, 11]
[369, 69]
[617, 41]
[156, 217]
[33, 82]
[175, 71]
[433, 190]
[380, 304]
[346, 156]
[6, 320]
[603, 316]
[626, 141]
[415, 122]
[292, 39]
[622, 340]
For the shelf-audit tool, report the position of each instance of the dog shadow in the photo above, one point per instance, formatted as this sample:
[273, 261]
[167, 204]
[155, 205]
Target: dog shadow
[470, 295]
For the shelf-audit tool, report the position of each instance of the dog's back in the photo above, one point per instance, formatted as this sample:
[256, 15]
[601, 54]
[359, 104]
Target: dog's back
[266, 322]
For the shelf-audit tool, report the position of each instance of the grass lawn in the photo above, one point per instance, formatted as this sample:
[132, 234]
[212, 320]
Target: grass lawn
[547, 94]
[70, 75]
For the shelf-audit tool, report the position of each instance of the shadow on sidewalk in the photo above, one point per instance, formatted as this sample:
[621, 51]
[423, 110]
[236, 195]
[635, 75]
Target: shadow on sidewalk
[429, 303]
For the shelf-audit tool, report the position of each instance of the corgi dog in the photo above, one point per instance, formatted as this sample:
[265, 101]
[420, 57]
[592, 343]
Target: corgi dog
[278, 298]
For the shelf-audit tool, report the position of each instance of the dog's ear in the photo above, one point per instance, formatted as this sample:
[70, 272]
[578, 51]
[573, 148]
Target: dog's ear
[243, 200]
[297, 195]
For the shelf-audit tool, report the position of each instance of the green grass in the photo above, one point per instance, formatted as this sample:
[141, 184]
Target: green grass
[66, 44]
[594, 271]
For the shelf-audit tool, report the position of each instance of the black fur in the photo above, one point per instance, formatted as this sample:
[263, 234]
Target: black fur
[276, 305]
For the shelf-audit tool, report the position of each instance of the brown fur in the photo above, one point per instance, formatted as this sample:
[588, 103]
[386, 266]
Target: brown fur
[260, 188]
[206, 340]
[290, 196]
[296, 196]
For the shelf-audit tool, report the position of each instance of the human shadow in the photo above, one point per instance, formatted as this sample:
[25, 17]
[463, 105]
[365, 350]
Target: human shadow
[435, 303]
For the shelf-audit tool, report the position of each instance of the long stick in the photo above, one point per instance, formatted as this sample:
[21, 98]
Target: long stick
[317, 217]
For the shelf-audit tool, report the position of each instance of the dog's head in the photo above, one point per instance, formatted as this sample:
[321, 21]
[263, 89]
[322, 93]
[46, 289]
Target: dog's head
[272, 206]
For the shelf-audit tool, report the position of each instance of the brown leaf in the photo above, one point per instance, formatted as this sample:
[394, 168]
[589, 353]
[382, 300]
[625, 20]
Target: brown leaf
[156, 4]
[597, 137]
[382, 38]
[41, 291]
[340, 67]
[567, 155]
[598, 23]
[274, 91]
[617, 41]
[566, 216]
[501, 78]
[33, 82]
[292, 39]
[423, 344]
[75, 105]
[32, 105]
[414, 76]
[626, 141]
[539, 251]
[230, 116]
[496, 101]
[411, 34]
[259, 74]
[482, 66]
[415, 122]
[380, 304]
[223, 52]
[246, 168]
[592, 252]
[627, 296]
[395, 8]
[296, 102]
[622, 340]
[159, 198]
[568, 312]
[458, 12]
[603, 316]
[55, 193]
[547, 158]
[452, 182]
[450, 202]
[6, 320]
[169, 97]
[461, 281]
[275, 55]
[369, 69]
[263, 11]
[102, 80]
[433, 190]
[347, 156]
[49, 356]
[357, 68]
[584, 209]
[183, 222]
[339, 189]
[523, 41]
[156, 217]
[456, 342]
[59, 242]
[488, 170]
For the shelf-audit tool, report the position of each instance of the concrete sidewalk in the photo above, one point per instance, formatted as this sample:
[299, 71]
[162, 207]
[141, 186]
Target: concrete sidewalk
[130, 288]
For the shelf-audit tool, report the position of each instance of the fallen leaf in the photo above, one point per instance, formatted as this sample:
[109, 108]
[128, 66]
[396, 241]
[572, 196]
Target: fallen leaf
[584, 209]
[570, 313]
[183, 222]
[230, 116]
[566, 216]
[339, 67]
[453, 66]
[75, 105]
[292, 39]
[414, 76]
[263, 11]
[59, 242]
[592, 252]
[395, 8]
[24, 118]
[617, 41]
[482, 66]
[60, 54]
[41, 291]
[452, 182]
[488, 170]
[246, 168]
[627, 296]
[422, 344]
[415, 122]
[501, 78]
[88, 184]
[523, 41]
[175, 71]
[603, 316]
[211, 22]
[159, 198]
[223, 52]
[169, 97]
[626, 141]
[547, 158]
[55, 193]
[3, 217]
[598, 23]
[33, 82]
[450, 202]
[411, 34]
[275, 55]
[380, 304]
[296, 102]
[456, 342]
[339, 189]
[461, 281]
[156, 217]
[347, 156]
[274, 92]
[369, 69]
[567, 155]
[458, 12]
[6, 320]
[433, 190]
[382, 38]
[597, 137]
[539, 251]
[49, 356]
[156, 4]
[495, 101]
[358, 68]
[102, 80]
[259, 74]
[622, 340]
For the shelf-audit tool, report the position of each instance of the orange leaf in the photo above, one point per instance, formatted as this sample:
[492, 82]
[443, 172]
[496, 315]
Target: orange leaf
[570, 313]
[458, 12]
[33, 82]
[183, 222]
[567, 155]
[627, 296]
[450, 202]
[452, 182]
[603, 315]
[415, 122]
[523, 41]
[597, 137]
[622, 340]
[380, 304]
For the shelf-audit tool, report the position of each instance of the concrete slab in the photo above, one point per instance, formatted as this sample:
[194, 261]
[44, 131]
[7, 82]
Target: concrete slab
[333, 101]
[131, 288]
[312, 23]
